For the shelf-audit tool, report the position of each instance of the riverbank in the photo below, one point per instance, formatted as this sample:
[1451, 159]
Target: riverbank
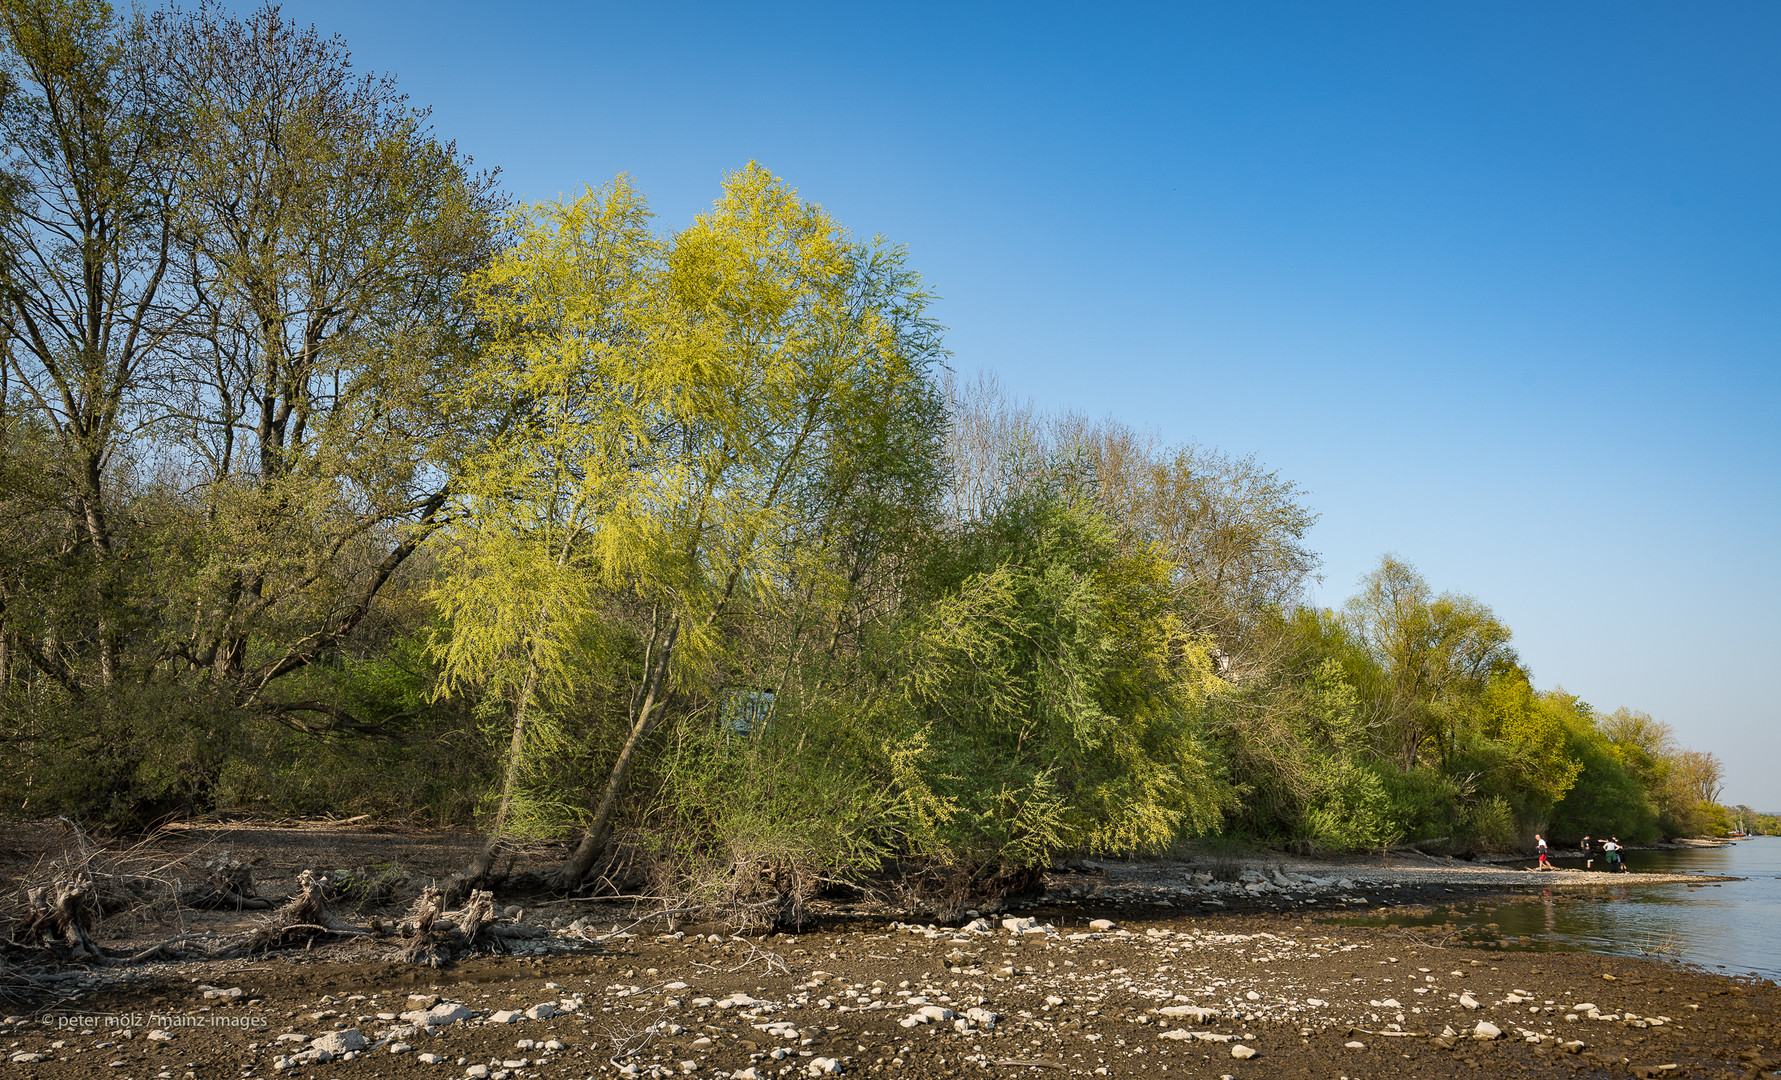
[1103, 990]
[1116, 969]
[1277, 881]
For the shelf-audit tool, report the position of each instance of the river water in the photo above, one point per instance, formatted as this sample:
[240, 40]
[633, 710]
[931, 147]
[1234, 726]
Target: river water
[1734, 926]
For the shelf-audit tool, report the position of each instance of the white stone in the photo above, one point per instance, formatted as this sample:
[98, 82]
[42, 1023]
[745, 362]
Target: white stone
[1354, 1045]
[400, 1048]
[1102, 925]
[505, 1016]
[445, 1014]
[1467, 1001]
[1487, 1030]
[428, 1059]
[159, 1035]
[1241, 1052]
[935, 1012]
[542, 1011]
[1195, 1012]
[338, 1042]
[477, 1071]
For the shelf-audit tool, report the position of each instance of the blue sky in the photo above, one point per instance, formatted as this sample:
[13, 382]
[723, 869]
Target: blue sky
[1498, 285]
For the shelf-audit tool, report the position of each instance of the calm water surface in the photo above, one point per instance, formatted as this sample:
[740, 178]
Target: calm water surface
[1734, 926]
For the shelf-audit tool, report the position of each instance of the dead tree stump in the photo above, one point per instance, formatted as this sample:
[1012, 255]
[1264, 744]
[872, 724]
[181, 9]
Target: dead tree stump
[228, 884]
[62, 914]
[303, 918]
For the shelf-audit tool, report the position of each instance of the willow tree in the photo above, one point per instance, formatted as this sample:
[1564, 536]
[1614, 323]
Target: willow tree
[682, 409]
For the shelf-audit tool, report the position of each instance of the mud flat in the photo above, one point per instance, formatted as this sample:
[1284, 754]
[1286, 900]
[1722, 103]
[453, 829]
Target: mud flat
[1291, 881]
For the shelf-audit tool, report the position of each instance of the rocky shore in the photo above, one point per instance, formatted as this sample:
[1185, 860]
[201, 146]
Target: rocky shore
[1210, 967]
[1072, 985]
[1281, 882]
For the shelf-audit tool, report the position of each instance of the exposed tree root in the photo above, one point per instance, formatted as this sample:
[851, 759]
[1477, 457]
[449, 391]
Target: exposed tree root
[61, 915]
[302, 919]
[228, 885]
[436, 938]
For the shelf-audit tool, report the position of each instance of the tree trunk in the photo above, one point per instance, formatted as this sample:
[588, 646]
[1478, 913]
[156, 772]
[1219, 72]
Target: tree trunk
[593, 841]
[476, 876]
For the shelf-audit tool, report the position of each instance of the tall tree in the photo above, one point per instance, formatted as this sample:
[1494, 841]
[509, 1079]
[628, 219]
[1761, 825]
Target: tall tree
[330, 233]
[687, 430]
[1439, 653]
[87, 247]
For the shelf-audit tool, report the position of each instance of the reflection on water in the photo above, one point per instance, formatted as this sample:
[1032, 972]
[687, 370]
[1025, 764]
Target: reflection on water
[1730, 925]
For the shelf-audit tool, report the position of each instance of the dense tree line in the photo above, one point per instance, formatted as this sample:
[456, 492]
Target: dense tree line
[331, 481]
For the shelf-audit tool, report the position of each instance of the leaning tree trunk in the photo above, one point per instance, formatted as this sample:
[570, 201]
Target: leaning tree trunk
[649, 716]
[482, 867]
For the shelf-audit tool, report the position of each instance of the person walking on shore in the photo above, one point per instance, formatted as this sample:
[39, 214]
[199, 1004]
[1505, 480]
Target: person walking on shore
[1540, 846]
[1588, 855]
[1611, 848]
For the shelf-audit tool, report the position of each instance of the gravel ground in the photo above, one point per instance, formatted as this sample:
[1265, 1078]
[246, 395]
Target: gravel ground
[1125, 969]
[1048, 990]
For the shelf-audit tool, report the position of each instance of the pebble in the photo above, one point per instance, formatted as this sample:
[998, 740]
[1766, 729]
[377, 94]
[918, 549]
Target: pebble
[1242, 1053]
[1487, 1030]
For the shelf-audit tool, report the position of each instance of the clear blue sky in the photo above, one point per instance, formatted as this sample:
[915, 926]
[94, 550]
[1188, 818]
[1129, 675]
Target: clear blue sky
[1498, 285]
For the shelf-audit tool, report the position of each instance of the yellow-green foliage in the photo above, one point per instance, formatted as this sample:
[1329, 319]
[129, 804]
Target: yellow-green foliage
[678, 419]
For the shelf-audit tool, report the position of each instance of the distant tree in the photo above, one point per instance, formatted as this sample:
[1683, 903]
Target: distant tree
[1439, 654]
